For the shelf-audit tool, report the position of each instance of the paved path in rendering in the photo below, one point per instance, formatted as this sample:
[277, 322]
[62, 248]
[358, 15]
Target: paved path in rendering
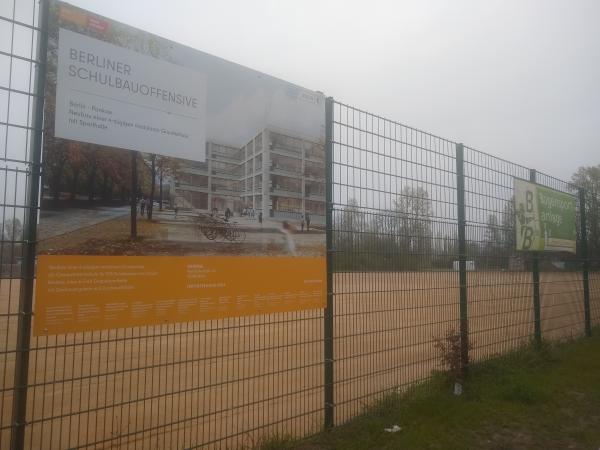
[57, 222]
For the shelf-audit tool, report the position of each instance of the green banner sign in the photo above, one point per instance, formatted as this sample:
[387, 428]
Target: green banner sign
[545, 218]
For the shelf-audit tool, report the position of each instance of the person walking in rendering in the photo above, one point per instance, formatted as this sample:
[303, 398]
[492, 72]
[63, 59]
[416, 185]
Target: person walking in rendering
[142, 206]
[288, 241]
[302, 222]
[307, 218]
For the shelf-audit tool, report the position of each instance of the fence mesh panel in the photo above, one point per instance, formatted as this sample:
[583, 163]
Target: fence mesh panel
[394, 241]
[500, 288]
[593, 202]
[395, 263]
[18, 63]
[221, 383]
[595, 298]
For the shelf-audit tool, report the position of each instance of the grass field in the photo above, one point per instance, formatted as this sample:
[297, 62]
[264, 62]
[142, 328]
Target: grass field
[529, 399]
[226, 383]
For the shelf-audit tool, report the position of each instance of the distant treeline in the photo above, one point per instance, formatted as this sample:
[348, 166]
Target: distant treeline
[410, 237]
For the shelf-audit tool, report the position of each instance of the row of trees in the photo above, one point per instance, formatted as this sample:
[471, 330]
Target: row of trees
[589, 179]
[366, 239]
[95, 173]
[410, 237]
[86, 171]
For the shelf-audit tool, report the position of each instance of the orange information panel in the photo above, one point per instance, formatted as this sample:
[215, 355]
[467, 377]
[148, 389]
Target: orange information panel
[82, 293]
[221, 211]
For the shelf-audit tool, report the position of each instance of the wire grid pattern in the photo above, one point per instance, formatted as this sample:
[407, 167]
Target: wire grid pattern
[595, 266]
[18, 65]
[214, 384]
[394, 226]
[394, 237]
[595, 298]
[499, 289]
[594, 233]
[562, 306]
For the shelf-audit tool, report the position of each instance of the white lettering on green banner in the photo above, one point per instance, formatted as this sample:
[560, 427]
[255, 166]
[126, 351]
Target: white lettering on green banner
[545, 218]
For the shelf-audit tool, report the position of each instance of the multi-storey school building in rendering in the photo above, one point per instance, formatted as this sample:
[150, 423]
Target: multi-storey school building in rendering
[278, 174]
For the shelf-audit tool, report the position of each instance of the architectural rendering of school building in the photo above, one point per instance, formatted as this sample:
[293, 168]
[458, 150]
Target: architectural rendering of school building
[281, 175]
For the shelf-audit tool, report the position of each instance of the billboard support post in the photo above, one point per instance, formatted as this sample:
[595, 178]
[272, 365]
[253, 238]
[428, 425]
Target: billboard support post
[21, 377]
[134, 182]
[535, 272]
[462, 258]
[152, 186]
[328, 314]
[584, 257]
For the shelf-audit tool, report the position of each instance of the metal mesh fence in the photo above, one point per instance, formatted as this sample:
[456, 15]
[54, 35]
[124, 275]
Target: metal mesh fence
[561, 284]
[18, 96]
[409, 215]
[595, 298]
[499, 289]
[211, 384]
[394, 238]
[593, 204]
[397, 199]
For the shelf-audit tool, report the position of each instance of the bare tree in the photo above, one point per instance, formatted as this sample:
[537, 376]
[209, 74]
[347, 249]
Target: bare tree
[588, 178]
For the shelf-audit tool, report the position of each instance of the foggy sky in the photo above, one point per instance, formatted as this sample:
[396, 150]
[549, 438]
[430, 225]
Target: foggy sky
[516, 79]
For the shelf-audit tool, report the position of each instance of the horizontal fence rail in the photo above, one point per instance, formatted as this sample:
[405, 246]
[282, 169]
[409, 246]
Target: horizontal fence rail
[420, 250]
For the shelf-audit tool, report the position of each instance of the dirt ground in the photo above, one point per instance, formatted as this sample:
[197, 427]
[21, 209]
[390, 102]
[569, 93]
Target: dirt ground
[224, 383]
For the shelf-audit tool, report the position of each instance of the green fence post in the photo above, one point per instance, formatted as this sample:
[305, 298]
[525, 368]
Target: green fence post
[328, 315]
[462, 258]
[21, 373]
[535, 272]
[584, 257]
